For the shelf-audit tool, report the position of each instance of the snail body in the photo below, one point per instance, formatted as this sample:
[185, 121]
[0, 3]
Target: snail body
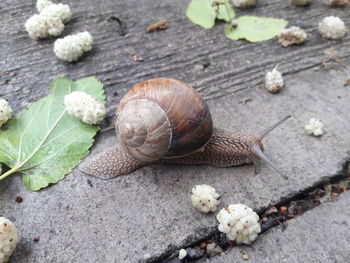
[167, 121]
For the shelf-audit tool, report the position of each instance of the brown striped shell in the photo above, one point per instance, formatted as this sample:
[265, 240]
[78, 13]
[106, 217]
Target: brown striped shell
[163, 118]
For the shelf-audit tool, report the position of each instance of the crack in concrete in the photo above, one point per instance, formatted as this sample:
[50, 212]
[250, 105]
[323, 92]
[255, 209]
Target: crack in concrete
[343, 173]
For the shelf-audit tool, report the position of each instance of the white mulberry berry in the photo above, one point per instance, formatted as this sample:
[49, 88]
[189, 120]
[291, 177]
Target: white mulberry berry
[301, 2]
[36, 27]
[84, 107]
[292, 36]
[274, 81]
[205, 198]
[5, 112]
[8, 239]
[57, 11]
[39, 27]
[314, 127]
[239, 223]
[72, 47]
[332, 27]
[244, 3]
[41, 4]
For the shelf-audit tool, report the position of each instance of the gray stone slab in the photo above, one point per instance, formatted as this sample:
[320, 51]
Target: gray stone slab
[320, 235]
[148, 213]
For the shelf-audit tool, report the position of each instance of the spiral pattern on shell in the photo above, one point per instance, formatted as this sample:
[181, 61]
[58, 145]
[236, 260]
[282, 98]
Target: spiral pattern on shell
[163, 118]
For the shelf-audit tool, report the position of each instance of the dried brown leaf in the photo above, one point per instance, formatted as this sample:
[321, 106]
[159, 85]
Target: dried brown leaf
[289, 39]
[336, 3]
[160, 25]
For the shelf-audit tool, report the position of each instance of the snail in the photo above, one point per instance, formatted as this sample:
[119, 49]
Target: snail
[167, 121]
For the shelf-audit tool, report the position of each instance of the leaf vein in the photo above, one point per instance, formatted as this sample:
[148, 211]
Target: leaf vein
[24, 131]
[54, 154]
[40, 144]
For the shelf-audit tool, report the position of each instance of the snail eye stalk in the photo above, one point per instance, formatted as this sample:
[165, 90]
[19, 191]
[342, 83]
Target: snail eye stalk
[258, 152]
[262, 134]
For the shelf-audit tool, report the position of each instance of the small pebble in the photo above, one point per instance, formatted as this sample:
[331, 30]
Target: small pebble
[334, 195]
[193, 253]
[347, 82]
[146, 256]
[271, 210]
[135, 57]
[213, 249]
[182, 253]
[283, 209]
[245, 256]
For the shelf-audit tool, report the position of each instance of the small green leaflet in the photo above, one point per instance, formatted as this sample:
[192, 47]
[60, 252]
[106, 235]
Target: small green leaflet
[226, 12]
[204, 12]
[255, 29]
[251, 28]
[43, 142]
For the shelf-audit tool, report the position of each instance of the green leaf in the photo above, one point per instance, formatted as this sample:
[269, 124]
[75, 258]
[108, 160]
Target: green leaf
[43, 142]
[255, 29]
[92, 86]
[226, 12]
[202, 13]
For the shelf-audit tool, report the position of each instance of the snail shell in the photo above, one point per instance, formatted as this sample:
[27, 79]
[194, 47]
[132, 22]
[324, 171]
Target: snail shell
[163, 118]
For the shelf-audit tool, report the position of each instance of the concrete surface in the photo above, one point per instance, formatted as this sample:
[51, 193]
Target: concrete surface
[320, 235]
[140, 217]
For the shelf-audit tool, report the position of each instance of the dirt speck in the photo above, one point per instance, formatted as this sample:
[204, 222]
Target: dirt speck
[206, 64]
[89, 182]
[19, 199]
[135, 57]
